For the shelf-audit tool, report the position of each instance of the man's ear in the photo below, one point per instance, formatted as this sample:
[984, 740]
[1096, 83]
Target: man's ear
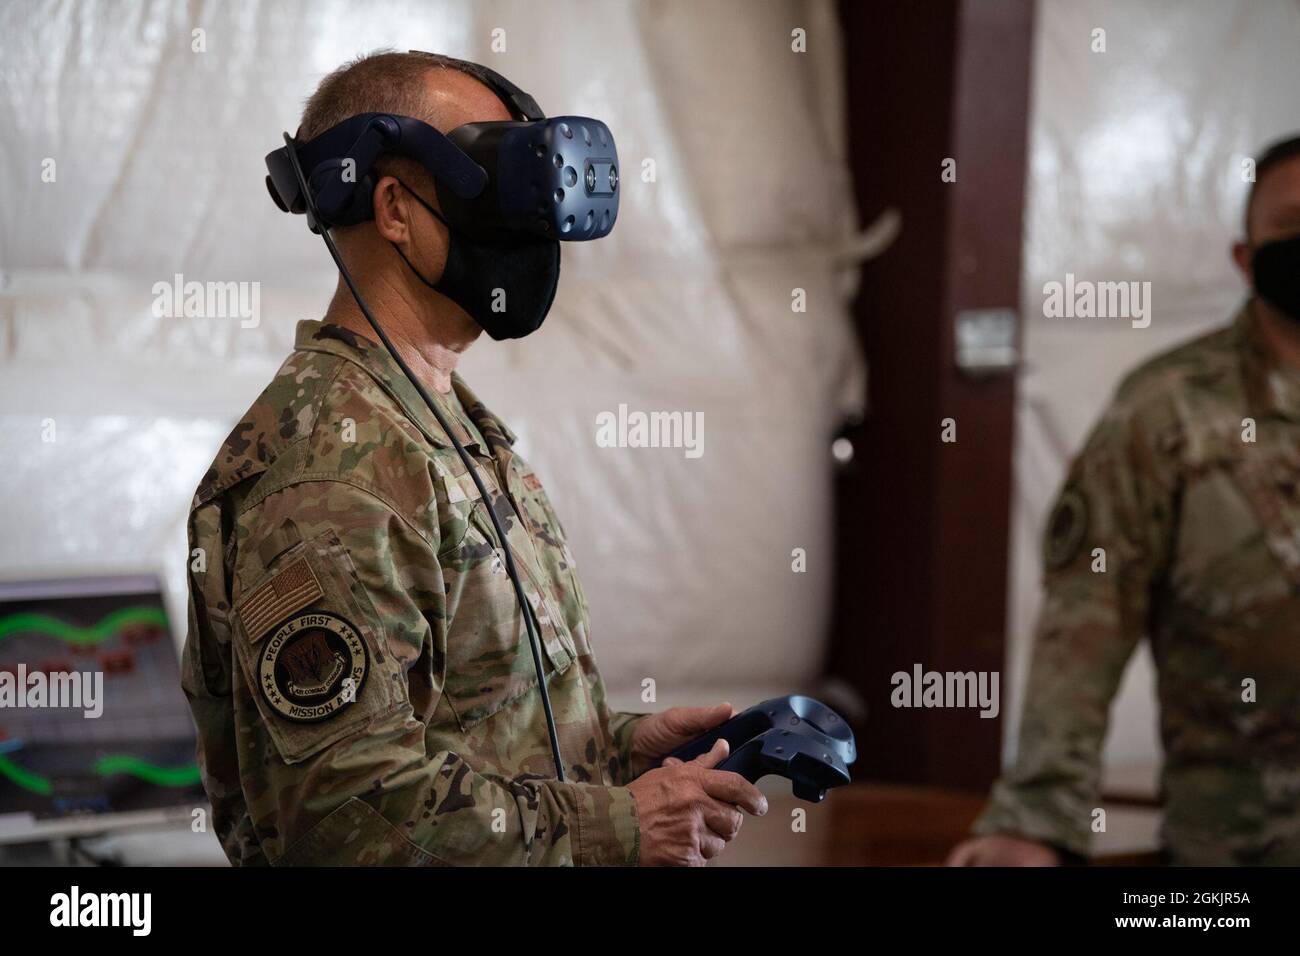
[392, 210]
[1241, 254]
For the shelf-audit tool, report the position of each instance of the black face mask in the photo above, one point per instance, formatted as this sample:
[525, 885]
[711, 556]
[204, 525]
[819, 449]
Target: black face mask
[1276, 269]
[517, 277]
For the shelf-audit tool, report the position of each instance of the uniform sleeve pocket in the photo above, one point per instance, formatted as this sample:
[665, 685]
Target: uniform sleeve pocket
[356, 834]
[311, 650]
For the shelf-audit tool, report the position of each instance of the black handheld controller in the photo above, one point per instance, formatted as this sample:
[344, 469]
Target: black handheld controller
[795, 737]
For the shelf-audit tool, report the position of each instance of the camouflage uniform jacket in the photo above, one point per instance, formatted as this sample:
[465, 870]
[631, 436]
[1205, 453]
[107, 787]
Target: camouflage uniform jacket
[357, 663]
[1189, 486]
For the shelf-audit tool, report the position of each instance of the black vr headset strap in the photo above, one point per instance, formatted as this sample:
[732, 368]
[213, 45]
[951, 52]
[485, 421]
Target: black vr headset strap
[520, 103]
[530, 624]
[361, 140]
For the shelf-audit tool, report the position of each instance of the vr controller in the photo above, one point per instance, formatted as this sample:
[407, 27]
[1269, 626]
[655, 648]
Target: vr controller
[795, 737]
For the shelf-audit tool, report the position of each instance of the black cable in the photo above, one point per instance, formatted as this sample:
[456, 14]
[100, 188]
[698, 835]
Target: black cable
[534, 641]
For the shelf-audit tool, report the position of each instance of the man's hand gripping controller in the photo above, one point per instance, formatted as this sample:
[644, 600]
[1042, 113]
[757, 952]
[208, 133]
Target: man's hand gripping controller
[794, 737]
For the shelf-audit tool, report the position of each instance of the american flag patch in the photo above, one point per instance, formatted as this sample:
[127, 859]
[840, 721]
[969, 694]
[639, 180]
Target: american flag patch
[293, 588]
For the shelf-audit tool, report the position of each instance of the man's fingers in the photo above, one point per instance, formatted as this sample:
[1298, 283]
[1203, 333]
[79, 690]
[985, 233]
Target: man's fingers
[672, 762]
[693, 721]
[961, 854]
[715, 756]
[723, 819]
[711, 846]
[733, 788]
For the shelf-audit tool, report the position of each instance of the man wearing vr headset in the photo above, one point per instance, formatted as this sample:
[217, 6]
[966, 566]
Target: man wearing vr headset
[359, 667]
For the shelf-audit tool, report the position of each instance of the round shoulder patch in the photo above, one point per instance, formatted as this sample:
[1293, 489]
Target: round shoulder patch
[1066, 529]
[313, 666]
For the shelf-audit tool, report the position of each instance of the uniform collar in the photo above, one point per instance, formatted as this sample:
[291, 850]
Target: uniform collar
[1271, 388]
[494, 431]
[313, 336]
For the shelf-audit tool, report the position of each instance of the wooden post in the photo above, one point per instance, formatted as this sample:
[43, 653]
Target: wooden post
[923, 525]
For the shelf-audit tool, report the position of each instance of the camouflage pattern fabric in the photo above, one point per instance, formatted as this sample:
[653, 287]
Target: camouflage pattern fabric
[357, 664]
[1200, 529]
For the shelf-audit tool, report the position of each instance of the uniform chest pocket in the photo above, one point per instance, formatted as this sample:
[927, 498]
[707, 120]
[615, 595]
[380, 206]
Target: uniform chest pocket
[305, 638]
[1270, 484]
[489, 660]
[555, 560]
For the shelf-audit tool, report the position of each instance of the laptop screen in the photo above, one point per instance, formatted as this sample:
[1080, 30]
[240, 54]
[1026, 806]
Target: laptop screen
[93, 721]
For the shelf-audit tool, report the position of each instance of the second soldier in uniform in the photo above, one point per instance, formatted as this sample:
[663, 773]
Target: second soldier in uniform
[1189, 488]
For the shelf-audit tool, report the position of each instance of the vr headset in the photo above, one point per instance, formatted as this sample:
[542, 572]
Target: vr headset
[555, 178]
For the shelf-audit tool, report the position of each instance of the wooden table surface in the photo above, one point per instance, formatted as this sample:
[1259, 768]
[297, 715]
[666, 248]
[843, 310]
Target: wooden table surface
[885, 825]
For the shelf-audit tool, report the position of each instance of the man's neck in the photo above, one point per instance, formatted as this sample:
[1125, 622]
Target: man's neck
[1280, 332]
[429, 337]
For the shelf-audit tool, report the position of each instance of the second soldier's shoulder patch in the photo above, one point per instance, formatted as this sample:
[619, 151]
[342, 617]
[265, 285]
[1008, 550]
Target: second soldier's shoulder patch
[1066, 529]
[313, 666]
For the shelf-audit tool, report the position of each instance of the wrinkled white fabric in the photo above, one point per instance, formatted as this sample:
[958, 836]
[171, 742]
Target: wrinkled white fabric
[157, 152]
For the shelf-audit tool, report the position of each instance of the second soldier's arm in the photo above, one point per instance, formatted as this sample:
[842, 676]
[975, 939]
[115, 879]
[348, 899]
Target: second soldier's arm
[1106, 548]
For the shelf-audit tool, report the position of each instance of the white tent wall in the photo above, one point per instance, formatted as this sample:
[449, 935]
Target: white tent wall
[1135, 174]
[109, 414]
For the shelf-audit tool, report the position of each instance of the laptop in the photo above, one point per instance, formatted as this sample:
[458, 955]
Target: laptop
[95, 732]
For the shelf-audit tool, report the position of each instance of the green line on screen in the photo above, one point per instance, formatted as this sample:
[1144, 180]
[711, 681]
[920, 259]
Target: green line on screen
[24, 778]
[106, 627]
[150, 773]
[109, 766]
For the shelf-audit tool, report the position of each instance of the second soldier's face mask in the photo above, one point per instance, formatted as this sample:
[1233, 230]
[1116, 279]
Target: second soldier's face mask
[1275, 267]
[506, 287]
